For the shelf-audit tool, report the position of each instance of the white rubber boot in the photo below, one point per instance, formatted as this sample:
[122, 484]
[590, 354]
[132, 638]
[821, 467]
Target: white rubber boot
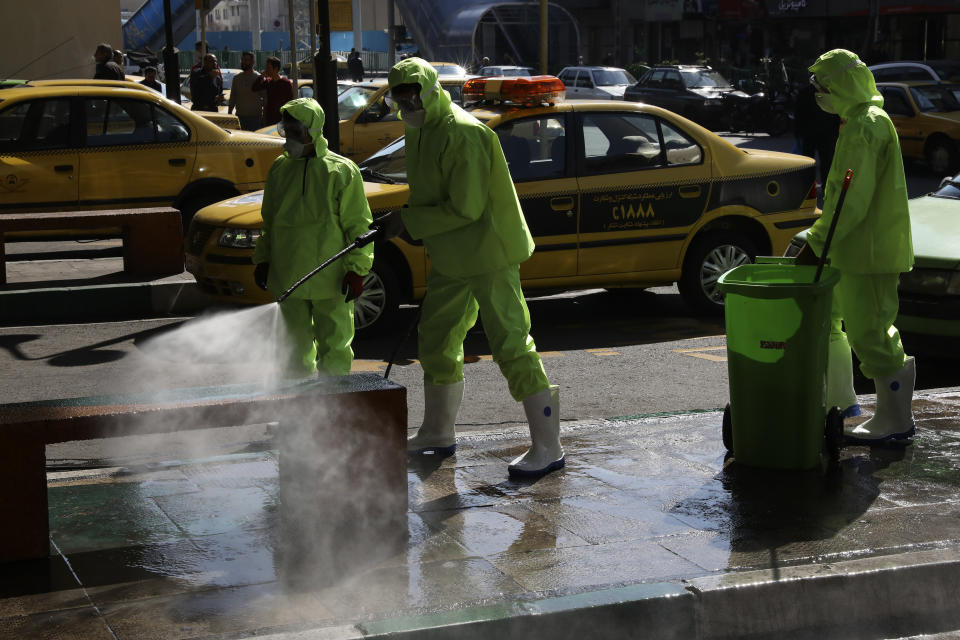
[437, 435]
[840, 392]
[545, 454]
[893, 419]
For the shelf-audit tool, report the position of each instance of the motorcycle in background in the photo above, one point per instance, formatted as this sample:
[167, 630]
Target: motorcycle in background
[760, 112]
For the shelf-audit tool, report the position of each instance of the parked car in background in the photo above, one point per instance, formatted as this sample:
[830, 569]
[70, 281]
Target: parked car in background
[693, 91]
[596, 83]
[100, 145]
[927, 118]
[449, 69]
[930, 293]
[506, 70]
[908, 70]
[616, 195]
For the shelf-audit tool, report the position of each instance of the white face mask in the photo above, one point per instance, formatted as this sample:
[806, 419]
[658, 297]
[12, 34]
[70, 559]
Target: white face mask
[294, 148]
[825, 103]
[415, 119]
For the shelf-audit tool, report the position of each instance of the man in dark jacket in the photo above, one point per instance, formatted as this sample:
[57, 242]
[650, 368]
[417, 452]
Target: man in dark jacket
[107, 69]
[206, 85]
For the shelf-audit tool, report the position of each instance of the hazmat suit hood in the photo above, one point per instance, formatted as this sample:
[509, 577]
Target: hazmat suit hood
[849, 81]
[436, 101]
[310, 113]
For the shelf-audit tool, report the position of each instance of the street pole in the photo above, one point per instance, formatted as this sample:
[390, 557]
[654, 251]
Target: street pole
[171, 66]
[391, 36]
[325, 78]
[313, 31]
[293, 46]
[544, 14]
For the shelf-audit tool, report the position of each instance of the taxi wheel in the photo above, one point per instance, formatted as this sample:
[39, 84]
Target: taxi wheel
[941, 156]
[707, 259]
[378, 305]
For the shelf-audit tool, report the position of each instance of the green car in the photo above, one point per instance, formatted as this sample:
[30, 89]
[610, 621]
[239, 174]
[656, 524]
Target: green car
[930, 294]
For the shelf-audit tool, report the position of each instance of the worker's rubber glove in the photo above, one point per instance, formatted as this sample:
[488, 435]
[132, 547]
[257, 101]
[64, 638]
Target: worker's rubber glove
[352, 285]
[260, 273]
[390, 225]
[807, 256]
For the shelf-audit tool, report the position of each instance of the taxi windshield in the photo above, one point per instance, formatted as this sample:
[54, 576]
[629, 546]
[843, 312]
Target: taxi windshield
[935, 98]
[704, 78]
[387, 165]
[352, 100]
[612, 77]
[450, 70]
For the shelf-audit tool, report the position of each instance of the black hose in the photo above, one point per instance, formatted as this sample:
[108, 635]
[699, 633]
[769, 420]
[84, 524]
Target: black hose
[361, 241]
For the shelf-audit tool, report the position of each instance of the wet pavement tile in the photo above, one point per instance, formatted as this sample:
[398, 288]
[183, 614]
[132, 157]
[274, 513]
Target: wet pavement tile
[106, 515]
[33, 586]
[905, 526]
[233, 474]
[433, 488]
[573, 479]
[216, 611]
[609, 517]
[73, 624]
[425, 544]
[486, 531]
[418, 587]
[218, 510]
[594, 565]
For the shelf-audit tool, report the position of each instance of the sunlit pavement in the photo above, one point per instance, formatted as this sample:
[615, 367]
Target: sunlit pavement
[647, 528]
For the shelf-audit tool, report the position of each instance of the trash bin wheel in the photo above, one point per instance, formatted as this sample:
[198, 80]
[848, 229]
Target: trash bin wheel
[833, 433]
[726, 431]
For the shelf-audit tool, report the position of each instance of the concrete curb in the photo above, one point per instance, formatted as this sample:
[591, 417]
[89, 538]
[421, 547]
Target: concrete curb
[878, 597]
[100, 302]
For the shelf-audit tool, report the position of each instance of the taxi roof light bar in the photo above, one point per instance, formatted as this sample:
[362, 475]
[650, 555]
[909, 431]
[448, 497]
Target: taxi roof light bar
[524, 90]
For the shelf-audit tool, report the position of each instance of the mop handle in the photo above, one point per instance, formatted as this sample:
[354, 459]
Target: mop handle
[361, 241]
[833, 224]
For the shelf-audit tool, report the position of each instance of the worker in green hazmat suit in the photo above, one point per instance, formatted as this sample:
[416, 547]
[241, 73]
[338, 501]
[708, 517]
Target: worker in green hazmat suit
[313, 206]
[464, 207]
[871, 247]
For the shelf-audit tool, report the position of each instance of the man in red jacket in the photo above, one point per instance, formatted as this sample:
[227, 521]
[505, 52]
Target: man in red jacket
[279, 91]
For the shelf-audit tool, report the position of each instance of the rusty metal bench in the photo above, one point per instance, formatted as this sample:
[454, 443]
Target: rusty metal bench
[152, 238]
[347, 409]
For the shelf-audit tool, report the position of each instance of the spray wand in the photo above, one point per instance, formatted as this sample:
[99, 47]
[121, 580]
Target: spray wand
[361, 241]
[833, 224]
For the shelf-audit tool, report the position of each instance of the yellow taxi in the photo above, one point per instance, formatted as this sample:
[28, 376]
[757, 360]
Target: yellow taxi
[927, 118]
[76, 144]
[616, 194]
[366, 122]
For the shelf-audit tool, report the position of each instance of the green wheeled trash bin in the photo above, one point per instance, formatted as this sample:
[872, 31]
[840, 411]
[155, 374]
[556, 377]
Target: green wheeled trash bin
[778, 330]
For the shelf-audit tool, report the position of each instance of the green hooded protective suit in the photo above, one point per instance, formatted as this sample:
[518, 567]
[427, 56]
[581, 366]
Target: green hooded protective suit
[312, 208]
[465, 209]
[872, 243]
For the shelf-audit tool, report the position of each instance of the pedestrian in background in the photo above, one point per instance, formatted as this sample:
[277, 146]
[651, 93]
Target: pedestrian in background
[279, 91]
[355, 65]
[150, 79]
[464, 207]
[816, 131]
[206, 85]
[107, 69]
[247, 102]
[871, 247]
[313, 206]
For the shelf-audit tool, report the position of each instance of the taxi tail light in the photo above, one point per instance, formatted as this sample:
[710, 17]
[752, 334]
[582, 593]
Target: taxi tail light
[813, 191]
[532, 90]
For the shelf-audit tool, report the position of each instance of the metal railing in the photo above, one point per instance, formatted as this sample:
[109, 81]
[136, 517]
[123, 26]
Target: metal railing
[373, 61]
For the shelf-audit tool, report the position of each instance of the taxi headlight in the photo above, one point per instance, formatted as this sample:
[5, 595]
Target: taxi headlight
[239, 238]
[931, 281]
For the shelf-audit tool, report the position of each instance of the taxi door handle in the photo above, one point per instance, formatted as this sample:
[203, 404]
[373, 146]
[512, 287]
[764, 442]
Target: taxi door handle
[63, 168]
[563, 204]
[177, 162]
[689, 192]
